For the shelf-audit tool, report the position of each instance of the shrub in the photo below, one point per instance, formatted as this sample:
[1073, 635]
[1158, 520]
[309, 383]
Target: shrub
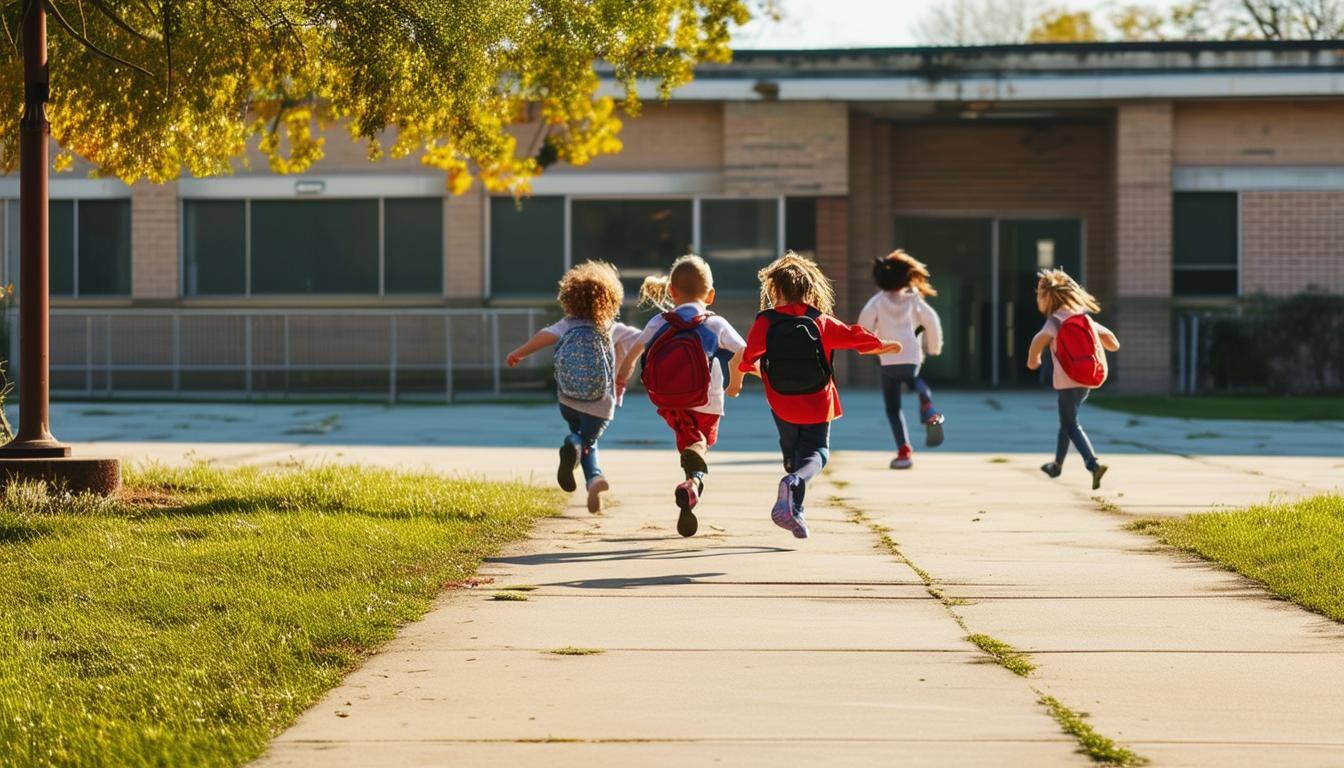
[1291, 346]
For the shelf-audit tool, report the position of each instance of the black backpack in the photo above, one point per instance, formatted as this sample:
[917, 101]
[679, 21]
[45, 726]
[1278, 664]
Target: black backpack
[795, 362]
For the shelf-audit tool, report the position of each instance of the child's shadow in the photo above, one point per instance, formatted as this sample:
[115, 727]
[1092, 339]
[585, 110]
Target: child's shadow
[635, 583]
[551, 558]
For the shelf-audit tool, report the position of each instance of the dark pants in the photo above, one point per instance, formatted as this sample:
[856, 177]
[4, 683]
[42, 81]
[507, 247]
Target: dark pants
[1069, 429]
[806, 449]
[893, 378]
[584, 431]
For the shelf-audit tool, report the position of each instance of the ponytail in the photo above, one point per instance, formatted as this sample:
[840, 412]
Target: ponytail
[653, 292]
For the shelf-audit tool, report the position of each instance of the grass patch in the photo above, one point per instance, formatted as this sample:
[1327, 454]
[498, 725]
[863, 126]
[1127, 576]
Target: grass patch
[1090, 743]
[999, 460]
[570, 650]
[1004, 654]
[1295, 549]
[191, 619]
[516, 597]
[1253, 408]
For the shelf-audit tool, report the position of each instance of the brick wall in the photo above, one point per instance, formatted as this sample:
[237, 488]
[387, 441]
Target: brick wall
[1292, 241]
[1143, 150]
[870, 225]
[1259, 133]
[833, 257]
[154, 241]
[790, 148]
[683, 136]
[464, 245]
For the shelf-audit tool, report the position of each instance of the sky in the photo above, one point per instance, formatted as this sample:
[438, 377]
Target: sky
[853, 23]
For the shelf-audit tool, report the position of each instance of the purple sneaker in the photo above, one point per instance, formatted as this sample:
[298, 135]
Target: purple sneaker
[783, 513]
[799, 525]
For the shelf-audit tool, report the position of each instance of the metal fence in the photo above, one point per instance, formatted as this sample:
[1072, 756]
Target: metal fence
[393, 355]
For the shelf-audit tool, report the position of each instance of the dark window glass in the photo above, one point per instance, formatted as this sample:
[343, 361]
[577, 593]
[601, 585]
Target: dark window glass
[214, 241]
[315, 246]
[104, 248]
[1204, 243]
[641, 237]
[413, 245]
[800, 226]
[527, 245]
[61, 248]
[737, 238]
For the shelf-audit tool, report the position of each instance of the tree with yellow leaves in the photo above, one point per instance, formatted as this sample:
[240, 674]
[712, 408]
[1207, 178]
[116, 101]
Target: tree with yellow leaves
[157, 88]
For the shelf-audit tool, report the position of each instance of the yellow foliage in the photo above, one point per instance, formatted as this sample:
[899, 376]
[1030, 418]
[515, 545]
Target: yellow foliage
[1062, 26]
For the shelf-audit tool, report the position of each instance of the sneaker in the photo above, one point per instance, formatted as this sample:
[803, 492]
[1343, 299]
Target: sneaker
[688, 495]
[1097, 473]
[596, 488]
[1051, 469]
[693, 461]
[569, 459]
[933, 427]
[783, 513]
[903, 460]
[799, 525]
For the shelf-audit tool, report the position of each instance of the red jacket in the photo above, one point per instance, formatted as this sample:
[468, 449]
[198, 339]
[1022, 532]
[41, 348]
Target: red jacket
[818, 407]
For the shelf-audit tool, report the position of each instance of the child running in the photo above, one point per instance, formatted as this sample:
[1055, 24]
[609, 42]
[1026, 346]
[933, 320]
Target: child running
[790, 346]
[1078, 346]
[897, 311]
[681, 373]
[589, 346]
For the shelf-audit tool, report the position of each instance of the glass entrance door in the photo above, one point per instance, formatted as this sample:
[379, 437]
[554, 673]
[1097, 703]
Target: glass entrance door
[959, 253]
[1026, 245]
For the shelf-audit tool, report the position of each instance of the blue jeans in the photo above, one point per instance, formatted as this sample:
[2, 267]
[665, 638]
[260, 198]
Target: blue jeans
[893, 378]
[584, 431]
[1069, 429]
[806, 449]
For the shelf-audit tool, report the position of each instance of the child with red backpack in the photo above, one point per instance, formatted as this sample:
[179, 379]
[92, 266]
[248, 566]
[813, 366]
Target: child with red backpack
[680, 370]
[1078, 347]
[589, 344]
[790, 346]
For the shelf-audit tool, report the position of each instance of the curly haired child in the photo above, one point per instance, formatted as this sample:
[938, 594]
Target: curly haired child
[590, 346]
[898, 310]
[790, 347]
[1078, 347]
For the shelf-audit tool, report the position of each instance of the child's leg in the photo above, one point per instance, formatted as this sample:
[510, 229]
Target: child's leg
[590, 431]
[1069, 429]
[891, 396]
[692, 443]
[788, 441]
[811, 455]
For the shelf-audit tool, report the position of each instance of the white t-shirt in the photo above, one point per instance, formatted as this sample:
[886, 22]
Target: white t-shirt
[622, 339]
[1061, 379]
[894, 316]
[728, 339]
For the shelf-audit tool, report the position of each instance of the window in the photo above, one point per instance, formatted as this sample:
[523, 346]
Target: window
[315, 247]
[737, 238]
[527, 245]
[641, 237]
[89, 246]
[1204, 244]
[800, 226]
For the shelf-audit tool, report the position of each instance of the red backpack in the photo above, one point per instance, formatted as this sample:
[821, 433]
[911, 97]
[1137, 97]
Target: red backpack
[675, 369]
[1077, 352]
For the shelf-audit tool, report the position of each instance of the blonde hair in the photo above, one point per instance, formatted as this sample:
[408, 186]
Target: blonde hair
[1059, 291]
[689, 276]
[794, 279]
[592, 291]
[898, 270]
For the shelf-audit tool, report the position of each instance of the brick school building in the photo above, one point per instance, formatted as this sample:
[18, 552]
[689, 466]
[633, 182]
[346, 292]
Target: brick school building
[1168, 177]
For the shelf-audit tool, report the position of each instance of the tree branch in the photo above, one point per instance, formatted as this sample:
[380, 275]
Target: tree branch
[86, 42]
[117, 20]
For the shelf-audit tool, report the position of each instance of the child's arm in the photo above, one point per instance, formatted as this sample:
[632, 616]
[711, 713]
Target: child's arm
[1037, 348]
[868, 315]
[628, 366]
[837, 335]
[540, 340]
[933, 328]
[1108, 339]
[736, 374]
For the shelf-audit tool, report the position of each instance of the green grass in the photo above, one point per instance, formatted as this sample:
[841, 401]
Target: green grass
[516, 597]
[1004, 654]
[190, 620]
[1255, 408]
[1294, 549]
[1090, 743]
[570, 650]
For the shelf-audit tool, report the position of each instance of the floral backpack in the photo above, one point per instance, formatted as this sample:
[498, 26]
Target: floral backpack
[585, 367]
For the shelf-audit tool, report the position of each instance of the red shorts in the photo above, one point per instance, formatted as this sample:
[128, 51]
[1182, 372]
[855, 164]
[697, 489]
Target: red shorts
[691, 427]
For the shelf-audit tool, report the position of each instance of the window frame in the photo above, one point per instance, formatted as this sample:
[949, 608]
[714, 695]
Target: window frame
[9, 269]
[696, 200]
[248, 293]
[1237, 263]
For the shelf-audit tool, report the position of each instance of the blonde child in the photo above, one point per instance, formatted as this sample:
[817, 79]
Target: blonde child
[790, 346]
[896, 311]
[1078, 347]
[590, 344]
[678, 352]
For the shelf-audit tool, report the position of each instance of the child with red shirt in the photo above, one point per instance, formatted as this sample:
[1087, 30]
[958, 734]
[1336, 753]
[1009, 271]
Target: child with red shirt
[790, 347]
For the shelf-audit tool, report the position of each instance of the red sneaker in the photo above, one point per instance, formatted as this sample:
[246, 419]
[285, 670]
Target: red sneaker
[688, 495]
[902, 460]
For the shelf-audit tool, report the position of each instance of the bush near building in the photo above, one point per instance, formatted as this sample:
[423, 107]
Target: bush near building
[1288, 346]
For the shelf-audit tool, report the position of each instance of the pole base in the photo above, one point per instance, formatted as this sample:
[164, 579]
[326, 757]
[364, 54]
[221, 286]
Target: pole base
[77, 475]
[49, 448]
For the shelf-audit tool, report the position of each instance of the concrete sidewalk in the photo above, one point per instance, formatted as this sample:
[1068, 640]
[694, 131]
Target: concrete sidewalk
[743, 646]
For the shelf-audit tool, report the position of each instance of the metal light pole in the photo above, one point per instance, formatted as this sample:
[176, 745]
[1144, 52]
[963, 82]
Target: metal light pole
[34, 452]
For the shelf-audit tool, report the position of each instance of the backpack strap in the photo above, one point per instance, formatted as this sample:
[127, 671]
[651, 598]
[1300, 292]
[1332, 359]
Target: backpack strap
[682, 324]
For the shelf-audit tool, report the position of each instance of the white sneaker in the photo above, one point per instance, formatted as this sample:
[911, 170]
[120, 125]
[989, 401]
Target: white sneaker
[596, 488]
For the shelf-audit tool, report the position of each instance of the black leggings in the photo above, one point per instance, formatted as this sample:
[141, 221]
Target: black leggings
[893, 378]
